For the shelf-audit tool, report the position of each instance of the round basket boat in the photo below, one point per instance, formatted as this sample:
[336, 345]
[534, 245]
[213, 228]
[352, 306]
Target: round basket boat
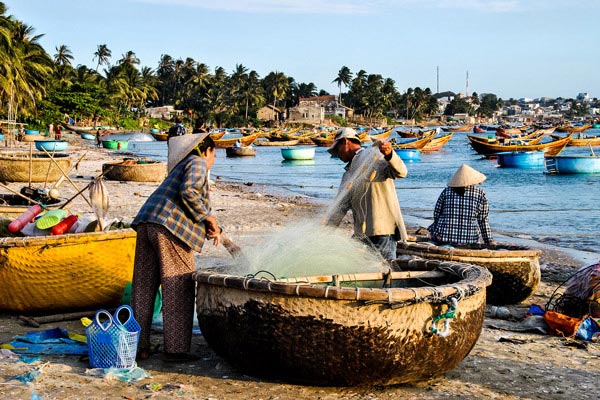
[19, 167]
[409, 154]
[135, 170]
[243, 151]
[298, 153]
[51, 145]
[370, 328]
[115, 144]
[516, 269]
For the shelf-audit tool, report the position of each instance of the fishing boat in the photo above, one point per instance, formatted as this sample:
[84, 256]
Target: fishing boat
[482, 146]
[521, 159]
[409, 154]
[414, 143]
[115, 144]
[415, 133]
[351, 329]
[242, 151]
[217, 135]
[515, 269]
[159, 136]
[377, 137]
[477, 129]
[573, 129]
[581, 140]
[142, 170]
[576, 164]
[323, 141]
[463, 128]
[51, 145]
[244, 141]
[46, 274]
[21, 167]
[298, 153]
[87, 136]
[280, 143]
[437, 143]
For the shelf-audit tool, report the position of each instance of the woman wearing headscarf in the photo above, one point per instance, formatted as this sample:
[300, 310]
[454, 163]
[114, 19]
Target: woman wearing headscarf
[461, 212]
[171, 226]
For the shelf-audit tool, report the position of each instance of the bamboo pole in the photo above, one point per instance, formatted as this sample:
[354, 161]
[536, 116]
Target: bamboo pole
[69, 179]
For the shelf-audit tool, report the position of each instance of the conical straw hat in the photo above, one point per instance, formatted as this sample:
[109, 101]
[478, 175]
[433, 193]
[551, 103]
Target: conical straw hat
[181, 146]
[466, 176]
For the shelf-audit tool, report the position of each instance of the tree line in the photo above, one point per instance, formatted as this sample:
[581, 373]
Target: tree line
[38, 88]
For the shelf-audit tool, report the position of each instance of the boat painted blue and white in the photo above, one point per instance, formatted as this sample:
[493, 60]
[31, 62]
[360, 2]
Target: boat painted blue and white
[412, 155]
[521, 159]
[51, 145]
[578, 164]
[298, 153]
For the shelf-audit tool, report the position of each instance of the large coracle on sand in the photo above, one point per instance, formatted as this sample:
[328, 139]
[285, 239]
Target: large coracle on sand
[351, 329]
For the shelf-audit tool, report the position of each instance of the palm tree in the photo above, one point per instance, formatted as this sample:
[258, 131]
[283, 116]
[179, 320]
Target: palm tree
[63, 56]
[129, 58]
[344, 78]
[276, 85]
[103, 54]
[24, 66]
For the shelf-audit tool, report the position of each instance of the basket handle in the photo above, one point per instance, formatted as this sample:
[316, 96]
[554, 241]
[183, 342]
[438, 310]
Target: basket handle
[107, 324]
[117, 314]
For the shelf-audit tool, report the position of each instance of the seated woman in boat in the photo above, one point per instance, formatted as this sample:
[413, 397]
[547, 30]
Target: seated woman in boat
[461, 212]
[237, 144]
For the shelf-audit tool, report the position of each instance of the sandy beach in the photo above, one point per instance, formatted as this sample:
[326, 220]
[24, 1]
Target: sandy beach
[503, 364]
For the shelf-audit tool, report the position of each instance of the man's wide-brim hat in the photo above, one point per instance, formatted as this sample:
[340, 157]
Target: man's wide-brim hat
[466, 176]
[181, 146]
[344, 133]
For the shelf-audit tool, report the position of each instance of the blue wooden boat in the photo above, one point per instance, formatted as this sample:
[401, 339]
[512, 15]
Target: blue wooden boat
[573, 164]
[521, 159]
[298, 153]
[88, 136]
[31, 132]
[51, 145]
[409, 154]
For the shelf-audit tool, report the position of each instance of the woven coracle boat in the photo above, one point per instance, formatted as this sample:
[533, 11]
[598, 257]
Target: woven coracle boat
[65, 272]
[20, 167]
[135, 170]
[516, 269]
[328, 330]
[11, 205]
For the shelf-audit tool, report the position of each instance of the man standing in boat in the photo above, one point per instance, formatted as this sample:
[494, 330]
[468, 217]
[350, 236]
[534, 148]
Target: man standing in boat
[178, 129]
[367, 188]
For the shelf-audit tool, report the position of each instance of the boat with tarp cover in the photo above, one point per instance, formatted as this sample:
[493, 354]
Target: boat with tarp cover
[376, 328]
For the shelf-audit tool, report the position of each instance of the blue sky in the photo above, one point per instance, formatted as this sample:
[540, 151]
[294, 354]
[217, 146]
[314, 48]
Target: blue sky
[513, 48]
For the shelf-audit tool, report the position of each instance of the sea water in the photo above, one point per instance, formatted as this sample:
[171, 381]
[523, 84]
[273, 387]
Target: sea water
[563, 210]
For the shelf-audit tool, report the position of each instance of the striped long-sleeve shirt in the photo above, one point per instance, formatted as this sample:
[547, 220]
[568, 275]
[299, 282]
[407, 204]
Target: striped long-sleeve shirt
[461, 219]
[181, 203]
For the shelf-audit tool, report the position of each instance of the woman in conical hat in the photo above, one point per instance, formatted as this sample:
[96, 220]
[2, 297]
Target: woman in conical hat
[171, 226]
[461, 211]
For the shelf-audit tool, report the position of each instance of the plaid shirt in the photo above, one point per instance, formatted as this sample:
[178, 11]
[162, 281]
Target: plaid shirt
[181, 203]
[461, 220]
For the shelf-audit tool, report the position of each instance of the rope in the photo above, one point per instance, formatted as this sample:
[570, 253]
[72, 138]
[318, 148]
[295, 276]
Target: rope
[447, 316]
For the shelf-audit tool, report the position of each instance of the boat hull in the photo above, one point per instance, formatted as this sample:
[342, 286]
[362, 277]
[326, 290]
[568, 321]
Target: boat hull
[516, 269]
[145, 171]
[115, 144]
[327, 334]
[51, 145]
[65, 272]
[15, 167]
[240, 151]
[521, 159]
[298, 153]
[409, 154]
[574, 164]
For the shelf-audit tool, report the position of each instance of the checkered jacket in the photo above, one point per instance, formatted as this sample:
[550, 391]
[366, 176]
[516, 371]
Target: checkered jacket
[461, 219]
[181, 203]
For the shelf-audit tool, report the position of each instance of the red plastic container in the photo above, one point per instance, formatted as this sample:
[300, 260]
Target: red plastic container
[63, 225]
[24, 218]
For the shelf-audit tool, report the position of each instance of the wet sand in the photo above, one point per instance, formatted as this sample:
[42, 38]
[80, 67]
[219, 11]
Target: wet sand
[503, 364]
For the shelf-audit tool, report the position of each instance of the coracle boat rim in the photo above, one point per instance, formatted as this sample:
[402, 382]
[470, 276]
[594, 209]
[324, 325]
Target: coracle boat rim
[22, 241]
[503, 250]
[472, 280]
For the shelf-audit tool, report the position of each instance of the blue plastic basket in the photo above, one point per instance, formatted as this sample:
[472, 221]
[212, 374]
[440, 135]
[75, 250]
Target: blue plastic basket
[112, 343]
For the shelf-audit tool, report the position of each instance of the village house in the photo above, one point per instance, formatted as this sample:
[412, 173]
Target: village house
[315, 109]
[268, 113]
[164, 112]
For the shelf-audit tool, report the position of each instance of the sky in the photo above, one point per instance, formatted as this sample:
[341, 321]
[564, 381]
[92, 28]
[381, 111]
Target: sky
[512, 48]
